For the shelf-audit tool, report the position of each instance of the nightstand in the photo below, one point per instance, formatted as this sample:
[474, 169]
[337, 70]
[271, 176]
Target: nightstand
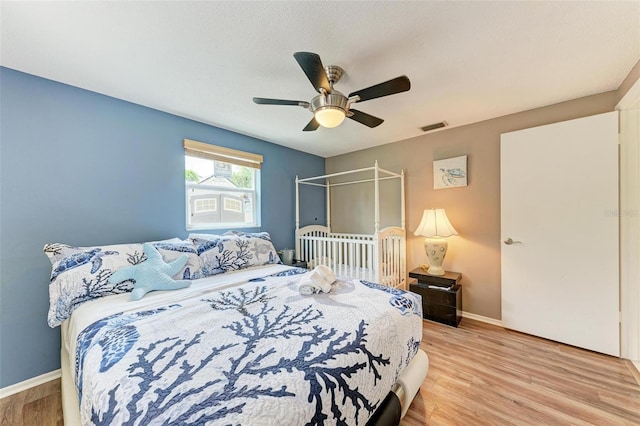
[441, 296]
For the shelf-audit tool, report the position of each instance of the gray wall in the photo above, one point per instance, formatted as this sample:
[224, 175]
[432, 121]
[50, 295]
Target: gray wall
[473, 210]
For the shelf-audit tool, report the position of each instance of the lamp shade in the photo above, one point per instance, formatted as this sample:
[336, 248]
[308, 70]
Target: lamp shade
[329, 116]
[435, 223]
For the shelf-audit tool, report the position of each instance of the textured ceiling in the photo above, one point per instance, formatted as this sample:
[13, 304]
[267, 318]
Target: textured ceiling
[467, 61]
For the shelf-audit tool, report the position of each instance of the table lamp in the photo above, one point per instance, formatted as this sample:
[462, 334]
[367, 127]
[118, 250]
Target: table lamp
[435, 226]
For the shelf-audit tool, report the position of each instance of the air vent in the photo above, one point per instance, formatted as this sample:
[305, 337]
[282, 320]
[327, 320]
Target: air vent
[434, 126]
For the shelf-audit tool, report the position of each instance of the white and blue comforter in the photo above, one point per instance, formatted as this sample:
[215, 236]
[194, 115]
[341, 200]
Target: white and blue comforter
[243, 348]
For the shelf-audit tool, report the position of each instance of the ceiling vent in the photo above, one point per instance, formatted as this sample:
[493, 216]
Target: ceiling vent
[434, 126]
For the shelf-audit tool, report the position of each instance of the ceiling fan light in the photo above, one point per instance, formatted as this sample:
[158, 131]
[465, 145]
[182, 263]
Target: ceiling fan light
[330, 116]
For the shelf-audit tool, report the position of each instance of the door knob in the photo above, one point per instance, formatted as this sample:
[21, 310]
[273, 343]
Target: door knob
[509, 241]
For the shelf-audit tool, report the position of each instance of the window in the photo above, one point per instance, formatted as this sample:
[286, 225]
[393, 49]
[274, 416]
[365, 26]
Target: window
[232, 205]
[206, 205]
[217, 176]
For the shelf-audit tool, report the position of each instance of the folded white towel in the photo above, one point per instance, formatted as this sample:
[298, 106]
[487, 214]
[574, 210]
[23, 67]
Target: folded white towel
[306, 287]
[326, 273]
[319, 280]
[313, 283]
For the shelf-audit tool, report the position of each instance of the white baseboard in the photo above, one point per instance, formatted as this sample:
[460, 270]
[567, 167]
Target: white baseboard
[29, 383]
[480, 318]
[636, 364]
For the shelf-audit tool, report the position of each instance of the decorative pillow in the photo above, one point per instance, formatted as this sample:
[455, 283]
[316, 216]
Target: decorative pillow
[80, 274]
[169, 249]
[231, 234]
[152, 274]
[57, 251]
[263, 235]
[205, 236]
[234, 252]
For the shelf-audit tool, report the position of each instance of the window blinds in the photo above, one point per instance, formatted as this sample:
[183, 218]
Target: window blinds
[219, 153]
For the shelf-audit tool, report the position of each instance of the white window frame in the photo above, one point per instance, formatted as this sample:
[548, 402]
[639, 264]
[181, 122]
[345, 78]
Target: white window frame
[227, 155]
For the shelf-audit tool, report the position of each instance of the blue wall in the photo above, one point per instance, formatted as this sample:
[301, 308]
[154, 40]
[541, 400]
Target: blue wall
[85, 169]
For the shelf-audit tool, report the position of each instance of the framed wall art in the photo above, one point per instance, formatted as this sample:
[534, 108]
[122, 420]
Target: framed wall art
[450, 172]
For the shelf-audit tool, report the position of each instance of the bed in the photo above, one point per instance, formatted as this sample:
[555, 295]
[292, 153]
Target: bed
[379, 256]
[239, 347]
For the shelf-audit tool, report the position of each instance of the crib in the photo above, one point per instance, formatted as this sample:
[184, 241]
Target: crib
[379, 257]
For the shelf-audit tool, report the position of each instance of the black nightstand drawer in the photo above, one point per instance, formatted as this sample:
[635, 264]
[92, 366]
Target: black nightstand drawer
[443, 314]
[440, 297]
[440, 304]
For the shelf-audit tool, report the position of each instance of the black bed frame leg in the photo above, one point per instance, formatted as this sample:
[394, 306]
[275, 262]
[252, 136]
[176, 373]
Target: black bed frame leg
[388, 413]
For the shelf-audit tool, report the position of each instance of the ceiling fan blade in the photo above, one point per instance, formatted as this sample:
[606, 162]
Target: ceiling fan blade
[268, 101]
[312, 125]
[391, 87]
[313, 68]
[366, 119]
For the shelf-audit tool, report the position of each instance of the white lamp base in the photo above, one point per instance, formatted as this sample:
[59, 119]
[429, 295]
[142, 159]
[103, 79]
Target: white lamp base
[436, 248]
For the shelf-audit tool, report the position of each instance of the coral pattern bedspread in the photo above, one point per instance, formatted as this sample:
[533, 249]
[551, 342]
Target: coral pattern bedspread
[243, 348]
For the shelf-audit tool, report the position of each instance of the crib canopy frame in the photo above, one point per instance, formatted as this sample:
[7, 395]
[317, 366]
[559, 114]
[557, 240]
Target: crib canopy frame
[380, 256]
[378, 175]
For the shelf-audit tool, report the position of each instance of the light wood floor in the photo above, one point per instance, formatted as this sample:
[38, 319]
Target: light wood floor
[38, 406]
[479, 374]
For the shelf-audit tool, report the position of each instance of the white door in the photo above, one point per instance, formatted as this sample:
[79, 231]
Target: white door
[559, 206]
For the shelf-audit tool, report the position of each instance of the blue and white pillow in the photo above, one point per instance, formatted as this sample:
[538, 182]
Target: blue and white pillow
[79, 274]
[231, 234]
[220, 254]
[263, 235]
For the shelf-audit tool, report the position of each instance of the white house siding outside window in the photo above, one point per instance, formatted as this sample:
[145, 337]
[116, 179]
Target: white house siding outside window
[222, 187]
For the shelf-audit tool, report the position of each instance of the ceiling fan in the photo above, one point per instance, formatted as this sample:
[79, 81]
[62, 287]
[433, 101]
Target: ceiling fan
[330, 107]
